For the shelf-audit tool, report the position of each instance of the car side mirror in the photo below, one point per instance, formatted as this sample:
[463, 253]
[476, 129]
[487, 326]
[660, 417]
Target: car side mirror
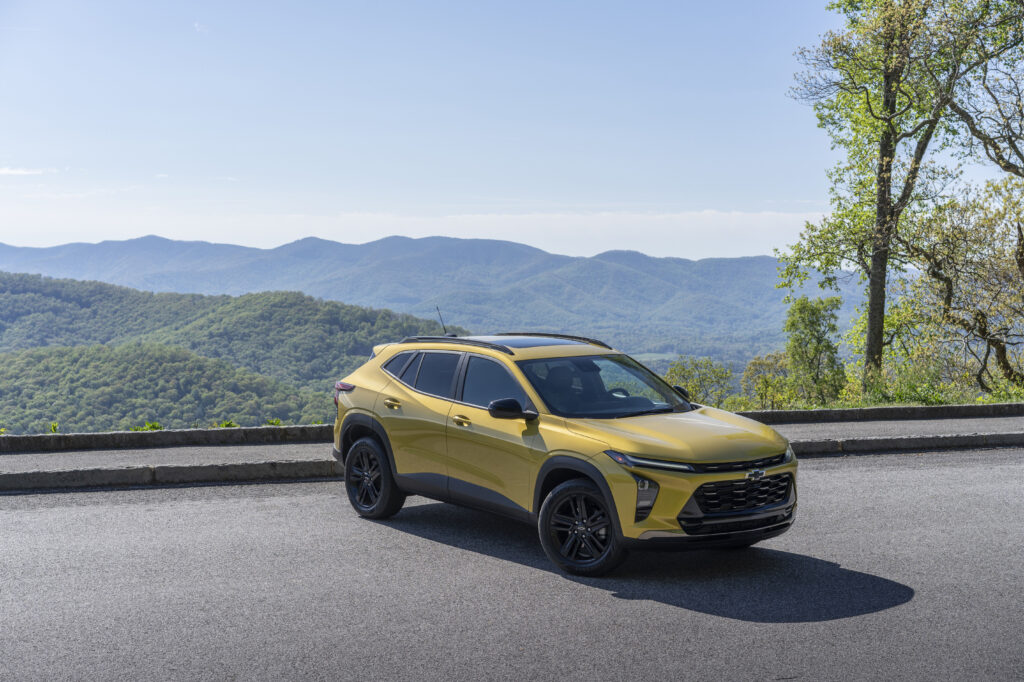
[683, 392]
[509, 408]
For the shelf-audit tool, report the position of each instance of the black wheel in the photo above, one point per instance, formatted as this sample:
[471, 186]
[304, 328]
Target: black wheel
[576, 530]
[371, 487]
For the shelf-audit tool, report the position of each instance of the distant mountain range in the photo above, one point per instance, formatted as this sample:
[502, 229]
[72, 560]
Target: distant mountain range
[727, 308]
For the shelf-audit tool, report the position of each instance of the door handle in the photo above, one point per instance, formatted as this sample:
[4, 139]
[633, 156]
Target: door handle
[392, 403]
[461, 421]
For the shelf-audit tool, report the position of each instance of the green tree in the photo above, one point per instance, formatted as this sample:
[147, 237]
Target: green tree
[765, 381]
[815, 371]
[883, 87]
[707, 381]
[970, 252]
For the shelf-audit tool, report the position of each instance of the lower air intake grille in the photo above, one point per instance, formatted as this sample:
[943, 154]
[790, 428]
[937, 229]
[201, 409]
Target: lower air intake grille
[742, 495]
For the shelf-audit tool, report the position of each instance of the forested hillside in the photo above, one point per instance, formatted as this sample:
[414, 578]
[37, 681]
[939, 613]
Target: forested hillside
[101, 388]
[725, 308]
[285, 335]
[93, 356]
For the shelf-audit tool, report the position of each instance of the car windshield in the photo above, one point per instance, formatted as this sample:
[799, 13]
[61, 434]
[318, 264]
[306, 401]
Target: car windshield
[600, 387]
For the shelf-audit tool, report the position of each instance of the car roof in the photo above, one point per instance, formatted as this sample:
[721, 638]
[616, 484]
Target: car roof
[519, 346]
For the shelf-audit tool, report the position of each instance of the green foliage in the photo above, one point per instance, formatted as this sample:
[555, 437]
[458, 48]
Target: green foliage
[112, 388]
[765, 382]
[54, 427]
[273, 422]
[149, 426]
[226, 424]
[815, 373]
[707, 381]
[885, 87]
[294, 338]
[3, 430]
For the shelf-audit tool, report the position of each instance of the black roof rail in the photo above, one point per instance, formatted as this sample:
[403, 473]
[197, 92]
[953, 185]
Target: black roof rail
[568, 337]
[457, 340]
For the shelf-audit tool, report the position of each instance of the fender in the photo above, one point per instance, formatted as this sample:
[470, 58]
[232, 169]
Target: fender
[433, 486]
[588, 471]
[361, 419]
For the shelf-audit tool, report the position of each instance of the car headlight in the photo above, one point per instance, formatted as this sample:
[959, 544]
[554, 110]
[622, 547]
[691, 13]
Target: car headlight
[634, 461]
[790, 455]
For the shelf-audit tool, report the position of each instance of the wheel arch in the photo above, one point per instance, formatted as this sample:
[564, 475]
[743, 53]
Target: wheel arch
[561, 468]
[359, 425]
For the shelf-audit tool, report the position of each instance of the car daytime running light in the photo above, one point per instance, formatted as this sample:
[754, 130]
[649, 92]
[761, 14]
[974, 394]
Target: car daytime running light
[633, 461]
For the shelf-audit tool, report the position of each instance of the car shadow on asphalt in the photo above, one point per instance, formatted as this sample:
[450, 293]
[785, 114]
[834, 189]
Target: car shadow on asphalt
[758, 584]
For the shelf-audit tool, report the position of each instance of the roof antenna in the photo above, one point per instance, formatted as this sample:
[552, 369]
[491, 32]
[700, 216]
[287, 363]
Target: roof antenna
[442, 321]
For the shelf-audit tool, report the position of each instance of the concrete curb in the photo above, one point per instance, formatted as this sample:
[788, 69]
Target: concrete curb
[326, 469]
[849, 446]
[114, 440]
[163, 475]
[886, 413]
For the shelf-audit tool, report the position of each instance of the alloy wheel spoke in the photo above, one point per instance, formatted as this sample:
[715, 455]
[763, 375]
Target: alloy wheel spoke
[361, 494]
[561, 522]
[567, 546]
[591, 548]
[596, 545]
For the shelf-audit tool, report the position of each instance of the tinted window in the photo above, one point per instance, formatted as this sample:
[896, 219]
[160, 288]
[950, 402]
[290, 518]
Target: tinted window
[486, 380]
[600, 386]
[394, 365]
[409, 375]
[437, 371]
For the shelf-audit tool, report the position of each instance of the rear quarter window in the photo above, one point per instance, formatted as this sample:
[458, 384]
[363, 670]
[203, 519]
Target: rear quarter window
[395, 365]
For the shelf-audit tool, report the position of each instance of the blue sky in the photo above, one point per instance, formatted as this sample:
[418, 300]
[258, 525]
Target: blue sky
[573, 126]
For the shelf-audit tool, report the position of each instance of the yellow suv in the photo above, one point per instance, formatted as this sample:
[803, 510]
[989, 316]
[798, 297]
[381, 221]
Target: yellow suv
[563, 432]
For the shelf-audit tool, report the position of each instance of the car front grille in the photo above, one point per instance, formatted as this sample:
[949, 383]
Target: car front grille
[742, 495]
[719, 467]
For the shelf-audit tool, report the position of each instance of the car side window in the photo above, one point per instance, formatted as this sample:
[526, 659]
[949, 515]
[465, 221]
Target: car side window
[409, 373]
[487, 380]
[395, 365]
[437, 373]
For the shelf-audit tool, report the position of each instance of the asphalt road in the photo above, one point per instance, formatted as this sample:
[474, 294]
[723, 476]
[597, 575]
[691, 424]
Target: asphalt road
[899, 567]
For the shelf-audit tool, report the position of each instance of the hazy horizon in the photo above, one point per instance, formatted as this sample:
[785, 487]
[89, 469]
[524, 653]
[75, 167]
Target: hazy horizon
[574, 127]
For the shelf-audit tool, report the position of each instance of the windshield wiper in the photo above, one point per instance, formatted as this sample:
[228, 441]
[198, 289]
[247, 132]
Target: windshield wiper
[656, 410]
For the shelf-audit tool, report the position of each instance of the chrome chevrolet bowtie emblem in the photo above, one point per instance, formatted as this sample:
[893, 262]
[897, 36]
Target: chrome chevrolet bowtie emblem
[755, 475]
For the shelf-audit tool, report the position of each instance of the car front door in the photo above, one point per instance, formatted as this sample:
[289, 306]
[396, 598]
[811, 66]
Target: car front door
[491, 462]
[414, 410]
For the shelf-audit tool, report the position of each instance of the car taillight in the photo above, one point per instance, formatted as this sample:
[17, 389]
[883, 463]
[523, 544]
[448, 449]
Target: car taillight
[341, 387]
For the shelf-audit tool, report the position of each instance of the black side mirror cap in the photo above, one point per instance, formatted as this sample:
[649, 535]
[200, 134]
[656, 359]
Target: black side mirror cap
[683, 392]
[509, 408]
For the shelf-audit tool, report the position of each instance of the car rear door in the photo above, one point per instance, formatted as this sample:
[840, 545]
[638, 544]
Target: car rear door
[414, 410]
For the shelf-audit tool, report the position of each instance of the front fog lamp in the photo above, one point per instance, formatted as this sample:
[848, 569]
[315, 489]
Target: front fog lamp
[646, 493]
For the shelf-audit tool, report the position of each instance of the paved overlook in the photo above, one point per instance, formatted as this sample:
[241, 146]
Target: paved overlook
[898, 567]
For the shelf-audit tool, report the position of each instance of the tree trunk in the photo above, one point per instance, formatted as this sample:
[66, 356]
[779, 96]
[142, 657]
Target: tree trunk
[884, 223]
[875, 337]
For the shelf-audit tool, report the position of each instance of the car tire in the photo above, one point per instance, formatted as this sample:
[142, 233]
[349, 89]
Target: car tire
[368, 481]
[577, 530]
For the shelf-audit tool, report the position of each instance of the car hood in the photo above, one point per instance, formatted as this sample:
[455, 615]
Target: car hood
[701, 435]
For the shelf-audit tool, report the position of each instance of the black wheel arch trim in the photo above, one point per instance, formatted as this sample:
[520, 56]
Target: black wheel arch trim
[365, 420]
[588, 471]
